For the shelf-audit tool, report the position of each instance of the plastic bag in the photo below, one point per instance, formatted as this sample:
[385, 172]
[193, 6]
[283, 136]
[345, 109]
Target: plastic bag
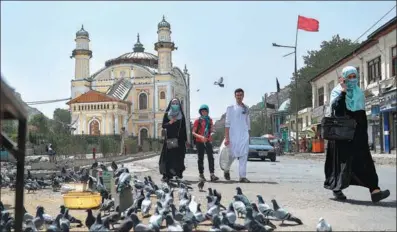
[224, 156]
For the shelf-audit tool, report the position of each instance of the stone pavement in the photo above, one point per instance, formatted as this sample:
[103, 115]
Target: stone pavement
[298, 186]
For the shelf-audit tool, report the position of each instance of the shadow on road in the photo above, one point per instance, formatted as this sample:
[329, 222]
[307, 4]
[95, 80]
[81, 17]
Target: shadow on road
[231, 182]
[386, 204]
[287, 225]
[267, 161]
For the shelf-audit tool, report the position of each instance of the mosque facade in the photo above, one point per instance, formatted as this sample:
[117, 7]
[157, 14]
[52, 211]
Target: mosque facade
[131, 92]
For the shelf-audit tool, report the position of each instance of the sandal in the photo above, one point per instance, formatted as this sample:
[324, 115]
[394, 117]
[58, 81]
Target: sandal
[376, 197]
[339, 195]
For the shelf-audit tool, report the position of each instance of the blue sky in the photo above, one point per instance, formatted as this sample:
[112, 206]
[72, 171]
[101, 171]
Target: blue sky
[229, 39]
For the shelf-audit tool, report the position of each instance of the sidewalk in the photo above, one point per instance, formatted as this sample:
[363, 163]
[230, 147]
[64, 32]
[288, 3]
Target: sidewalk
[388, 159]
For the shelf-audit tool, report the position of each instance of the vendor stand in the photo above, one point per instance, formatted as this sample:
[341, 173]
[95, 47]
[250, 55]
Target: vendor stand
[13, 109]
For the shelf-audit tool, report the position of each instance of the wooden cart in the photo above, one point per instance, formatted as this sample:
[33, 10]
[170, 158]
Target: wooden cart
[13, 109]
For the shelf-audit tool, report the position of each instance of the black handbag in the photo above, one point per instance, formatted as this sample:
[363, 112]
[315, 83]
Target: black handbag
[173, 142]
[338, 128]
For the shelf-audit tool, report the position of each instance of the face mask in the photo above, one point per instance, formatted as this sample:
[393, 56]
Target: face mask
[351, 83]
[175, 107]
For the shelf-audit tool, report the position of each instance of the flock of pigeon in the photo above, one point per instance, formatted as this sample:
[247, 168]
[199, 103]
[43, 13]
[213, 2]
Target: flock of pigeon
[180, 213]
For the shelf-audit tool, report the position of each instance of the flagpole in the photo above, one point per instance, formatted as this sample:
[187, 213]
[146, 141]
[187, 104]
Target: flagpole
[296, 89]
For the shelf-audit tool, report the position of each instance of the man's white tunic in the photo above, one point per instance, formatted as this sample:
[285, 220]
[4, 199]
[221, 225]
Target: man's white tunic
[239, 124]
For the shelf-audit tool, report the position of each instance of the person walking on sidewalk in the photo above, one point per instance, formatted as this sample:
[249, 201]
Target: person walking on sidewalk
[202, 132]
[350, 162]
[237, 128]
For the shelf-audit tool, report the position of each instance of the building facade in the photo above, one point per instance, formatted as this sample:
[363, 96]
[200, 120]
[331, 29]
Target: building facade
[375, 59]
[131, 91]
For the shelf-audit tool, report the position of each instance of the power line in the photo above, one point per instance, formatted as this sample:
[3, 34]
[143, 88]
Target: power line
[375, 24]
[47, 101]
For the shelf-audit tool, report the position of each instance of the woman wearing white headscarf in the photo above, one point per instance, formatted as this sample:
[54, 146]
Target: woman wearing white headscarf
[350, 162]
[172, 160]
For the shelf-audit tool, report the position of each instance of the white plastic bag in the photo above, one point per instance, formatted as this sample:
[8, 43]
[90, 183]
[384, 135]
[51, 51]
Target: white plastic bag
[224, 156]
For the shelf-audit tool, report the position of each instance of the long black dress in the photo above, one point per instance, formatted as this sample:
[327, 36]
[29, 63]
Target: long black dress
[350, 163]
[172, 161]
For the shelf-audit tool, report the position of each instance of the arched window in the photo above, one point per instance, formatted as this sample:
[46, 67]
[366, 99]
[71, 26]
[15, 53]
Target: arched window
[107, 106]
[143, 101]
[94, 127]
[74, 108]
[162, 95]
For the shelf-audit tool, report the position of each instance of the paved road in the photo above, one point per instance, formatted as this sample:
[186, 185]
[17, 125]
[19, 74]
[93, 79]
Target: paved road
[297, 185]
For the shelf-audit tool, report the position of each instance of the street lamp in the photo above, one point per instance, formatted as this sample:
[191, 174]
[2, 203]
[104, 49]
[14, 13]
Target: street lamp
[296, 92]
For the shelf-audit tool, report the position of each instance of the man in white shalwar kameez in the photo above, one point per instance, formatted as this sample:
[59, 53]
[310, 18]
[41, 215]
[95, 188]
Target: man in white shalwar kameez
[237, 127]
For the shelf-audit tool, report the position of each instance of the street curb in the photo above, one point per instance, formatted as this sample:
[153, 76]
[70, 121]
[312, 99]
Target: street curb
[40, 173]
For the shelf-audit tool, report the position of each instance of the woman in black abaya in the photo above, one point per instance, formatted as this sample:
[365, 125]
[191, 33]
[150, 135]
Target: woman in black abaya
[350, 162]
[172, 161]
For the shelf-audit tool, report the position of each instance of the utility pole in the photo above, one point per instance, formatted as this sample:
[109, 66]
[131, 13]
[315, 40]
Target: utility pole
[265, 120]
[296, 87]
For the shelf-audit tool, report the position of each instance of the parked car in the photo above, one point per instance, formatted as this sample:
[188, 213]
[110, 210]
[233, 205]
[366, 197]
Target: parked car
[260, 147]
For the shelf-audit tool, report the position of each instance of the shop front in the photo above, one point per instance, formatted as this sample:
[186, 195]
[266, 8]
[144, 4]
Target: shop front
[388, 109]
[318, 143]
[374, 125]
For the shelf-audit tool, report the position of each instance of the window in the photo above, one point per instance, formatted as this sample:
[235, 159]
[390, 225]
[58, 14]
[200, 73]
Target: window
[359, 75]
[162, 95]
[394, 61]
[374, 71]
[307, 121]
[143, 101]
[320, 94]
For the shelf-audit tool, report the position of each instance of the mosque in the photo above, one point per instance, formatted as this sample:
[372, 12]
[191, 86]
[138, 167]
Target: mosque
[131, 92]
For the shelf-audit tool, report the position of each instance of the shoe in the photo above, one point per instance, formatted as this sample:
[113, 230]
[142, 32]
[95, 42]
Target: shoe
[202, 177]
[244, 180]
[214, 178]
[226, 175]
[376, 197]
[339, 195]
[164, 179]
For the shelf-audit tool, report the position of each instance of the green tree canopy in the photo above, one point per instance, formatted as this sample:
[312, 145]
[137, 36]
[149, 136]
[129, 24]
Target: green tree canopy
[40, 121]
[61, 119]
[315, 61]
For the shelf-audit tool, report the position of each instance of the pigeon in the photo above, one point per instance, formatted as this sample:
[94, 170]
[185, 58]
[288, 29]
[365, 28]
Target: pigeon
[146, 205]
[172, 225]
[90, 219]
[284, 215]
[323, 226]
[198, 214]
[239, 206]
[200, 185]
[231, 214]
[156, 219]
[98, 225]
[193, 204]
[219, 82]
[263, 207]
[253, 225]
[242, 197]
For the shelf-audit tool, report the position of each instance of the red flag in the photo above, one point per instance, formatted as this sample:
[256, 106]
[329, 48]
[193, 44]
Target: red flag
[308, 24]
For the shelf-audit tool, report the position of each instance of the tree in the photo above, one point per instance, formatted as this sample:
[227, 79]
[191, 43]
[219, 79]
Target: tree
[40, 121]
[9, 127]
[316, 61]
[62, 119]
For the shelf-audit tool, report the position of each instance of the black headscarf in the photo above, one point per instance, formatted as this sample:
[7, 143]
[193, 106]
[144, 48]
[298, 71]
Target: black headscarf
[169, 107]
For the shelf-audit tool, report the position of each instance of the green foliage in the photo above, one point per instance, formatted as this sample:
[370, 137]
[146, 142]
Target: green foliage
[316, 61]
[41, 122]
[9, 126]
[61, 119]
